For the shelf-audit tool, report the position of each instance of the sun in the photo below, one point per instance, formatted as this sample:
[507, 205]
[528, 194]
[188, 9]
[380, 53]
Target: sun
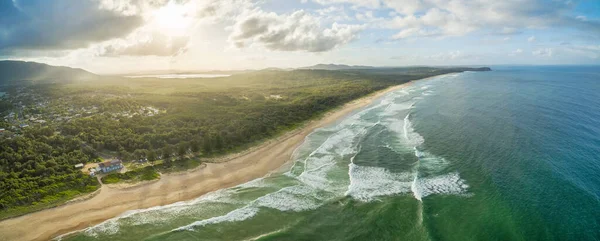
[172, 19]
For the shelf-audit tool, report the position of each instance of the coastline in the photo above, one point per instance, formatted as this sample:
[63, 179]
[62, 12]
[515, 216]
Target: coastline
[234, 170]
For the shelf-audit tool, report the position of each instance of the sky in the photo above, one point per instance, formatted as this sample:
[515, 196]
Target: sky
[141, 36]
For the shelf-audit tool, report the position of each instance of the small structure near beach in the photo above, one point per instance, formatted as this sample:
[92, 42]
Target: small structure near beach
[110, 166]
[92, 171]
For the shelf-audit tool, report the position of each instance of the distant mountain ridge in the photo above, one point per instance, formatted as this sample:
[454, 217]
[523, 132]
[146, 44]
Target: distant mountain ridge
[21, 71]
[373, 68]
[336, 67]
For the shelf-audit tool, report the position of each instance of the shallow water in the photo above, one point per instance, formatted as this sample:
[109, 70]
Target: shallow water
[512, 154]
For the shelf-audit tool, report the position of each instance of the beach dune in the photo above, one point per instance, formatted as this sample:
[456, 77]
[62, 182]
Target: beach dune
[171, 188]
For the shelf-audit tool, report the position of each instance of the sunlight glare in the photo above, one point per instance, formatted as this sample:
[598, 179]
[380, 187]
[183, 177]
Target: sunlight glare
[172, 19]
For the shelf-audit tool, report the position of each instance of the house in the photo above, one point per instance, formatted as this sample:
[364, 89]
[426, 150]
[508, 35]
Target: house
[80, 165]
[23, 125]
[92, 171]
[110, 166]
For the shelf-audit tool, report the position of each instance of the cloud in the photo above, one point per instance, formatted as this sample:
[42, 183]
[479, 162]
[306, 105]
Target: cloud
[461, 17]
[531, 39]
[590, 51]
[545, 52]
[516, 52]
[445, 57]
[144, 44]
[451, 55]
[333, 14]
[415, 32]
[221, 10]
[60, 24]
[358, 3]
[298, 31]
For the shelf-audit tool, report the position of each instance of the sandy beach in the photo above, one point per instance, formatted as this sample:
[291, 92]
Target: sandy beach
[110, 202]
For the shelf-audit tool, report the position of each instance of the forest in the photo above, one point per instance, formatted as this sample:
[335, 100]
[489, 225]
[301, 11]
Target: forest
[198, 117]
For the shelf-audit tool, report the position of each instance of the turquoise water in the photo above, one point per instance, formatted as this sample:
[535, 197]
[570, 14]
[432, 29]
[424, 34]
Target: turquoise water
[512, 154]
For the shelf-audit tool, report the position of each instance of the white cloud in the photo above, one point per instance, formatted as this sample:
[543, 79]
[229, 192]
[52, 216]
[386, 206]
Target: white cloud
[359, 3]
[531, 39]
[447, 56]
[168, 25]
[415, 32]
[545, 52]
[589, 51]
[145, 44]
[516, 52]
[298, 31]
[334, 13]
[461, 17]
[367, 17]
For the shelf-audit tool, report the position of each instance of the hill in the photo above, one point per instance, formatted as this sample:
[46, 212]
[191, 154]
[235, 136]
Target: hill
[336, 67]
[390, 70]
[16, 71]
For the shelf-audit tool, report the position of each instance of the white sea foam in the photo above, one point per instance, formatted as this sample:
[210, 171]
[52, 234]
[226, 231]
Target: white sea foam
[429, 163]
[321, 162]
[339, 142]
[450, 183]
[413, 138]
[317, 179]
[158, 213]
[428, 93]
[414, 188]
[396, 109]
[295, 198]
[368, 183]
[419, 154]
[237, 215]
[259, 182]
[110, 226]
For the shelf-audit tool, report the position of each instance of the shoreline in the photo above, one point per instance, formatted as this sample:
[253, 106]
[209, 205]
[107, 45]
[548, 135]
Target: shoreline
[234, 170]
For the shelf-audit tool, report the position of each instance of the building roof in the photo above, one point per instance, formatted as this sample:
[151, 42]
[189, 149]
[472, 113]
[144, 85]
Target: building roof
[114, 162]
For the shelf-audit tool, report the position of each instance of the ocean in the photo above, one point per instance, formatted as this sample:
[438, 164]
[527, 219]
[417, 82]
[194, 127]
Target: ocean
[511, 154]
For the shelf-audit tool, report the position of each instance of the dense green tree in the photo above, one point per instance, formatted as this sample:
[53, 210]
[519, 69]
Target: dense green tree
[140, 154]
[38, 167]
[182, 149]
[151, 156]
[194, 146]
